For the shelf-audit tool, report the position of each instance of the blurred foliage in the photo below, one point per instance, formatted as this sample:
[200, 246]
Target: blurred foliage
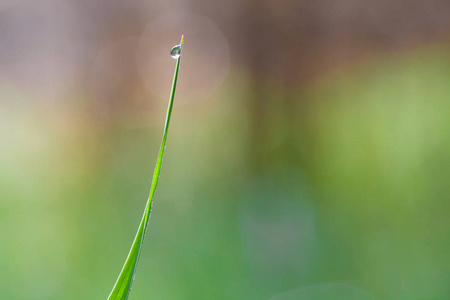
[362, 214]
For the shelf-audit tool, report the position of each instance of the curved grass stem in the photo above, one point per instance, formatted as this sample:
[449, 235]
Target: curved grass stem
[122, 287]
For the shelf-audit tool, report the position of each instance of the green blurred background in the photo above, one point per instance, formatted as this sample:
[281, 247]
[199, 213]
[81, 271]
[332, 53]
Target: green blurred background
[308, 154]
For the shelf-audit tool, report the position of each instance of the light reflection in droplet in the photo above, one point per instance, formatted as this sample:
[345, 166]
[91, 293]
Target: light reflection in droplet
[175, 52]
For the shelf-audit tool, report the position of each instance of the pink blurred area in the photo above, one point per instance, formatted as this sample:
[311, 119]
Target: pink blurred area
[55, 50]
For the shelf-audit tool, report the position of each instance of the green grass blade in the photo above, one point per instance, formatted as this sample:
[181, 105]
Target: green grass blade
[123, 284]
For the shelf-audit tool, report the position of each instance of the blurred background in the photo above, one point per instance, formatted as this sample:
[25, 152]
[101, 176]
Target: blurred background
[308, 154]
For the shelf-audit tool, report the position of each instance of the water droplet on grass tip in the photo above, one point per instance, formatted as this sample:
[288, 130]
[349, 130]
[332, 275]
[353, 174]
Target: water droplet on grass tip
[175, 52]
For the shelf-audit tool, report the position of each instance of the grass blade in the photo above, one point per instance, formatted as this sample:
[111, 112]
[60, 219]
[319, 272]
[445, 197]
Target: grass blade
[122, 287]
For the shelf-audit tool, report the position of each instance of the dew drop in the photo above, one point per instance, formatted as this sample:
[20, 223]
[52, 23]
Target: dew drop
[175, 52]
